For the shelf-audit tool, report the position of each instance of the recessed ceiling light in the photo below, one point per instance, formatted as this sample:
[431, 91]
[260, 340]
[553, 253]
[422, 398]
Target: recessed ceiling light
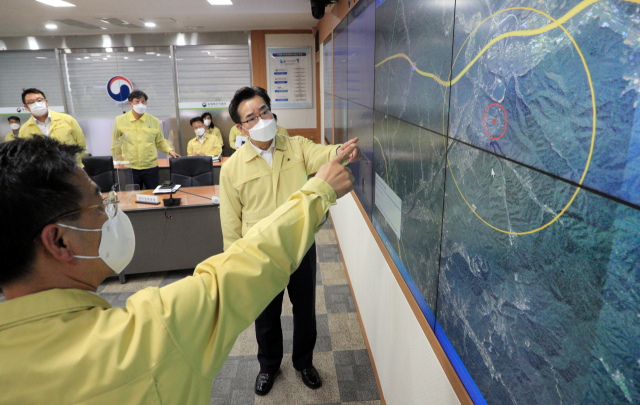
[56, 3]
[220, 2]
[86, 57]
[104, 58]
[157, 54]
[130, 49]
[140, 60]
[41, 57]
[149, 24]
[51, 26]
[126, 57]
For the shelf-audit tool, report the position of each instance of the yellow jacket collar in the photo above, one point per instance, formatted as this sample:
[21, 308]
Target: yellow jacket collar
[250, 152]
[45, 304]
[133, 118]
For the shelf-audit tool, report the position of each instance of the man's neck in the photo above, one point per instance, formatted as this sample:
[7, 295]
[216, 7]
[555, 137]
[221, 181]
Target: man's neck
[261, 145]
[15, 131]
[136, 115]
[42, 118]
[34, 284]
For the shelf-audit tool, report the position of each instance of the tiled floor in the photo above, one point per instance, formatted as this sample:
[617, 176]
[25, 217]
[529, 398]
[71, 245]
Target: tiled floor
[340, 354]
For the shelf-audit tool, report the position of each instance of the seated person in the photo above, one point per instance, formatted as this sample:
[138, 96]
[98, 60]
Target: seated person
[211, 129]
[235, 132]
[169, 343]
[204, 144]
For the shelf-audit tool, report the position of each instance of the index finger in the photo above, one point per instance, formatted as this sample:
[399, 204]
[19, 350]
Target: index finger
[352, 141]
[344, 155]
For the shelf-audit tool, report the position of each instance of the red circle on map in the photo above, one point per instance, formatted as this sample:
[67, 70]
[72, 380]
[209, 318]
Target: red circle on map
[505, 121]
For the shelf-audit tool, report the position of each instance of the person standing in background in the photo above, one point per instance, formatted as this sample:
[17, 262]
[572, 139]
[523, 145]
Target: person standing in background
[14, 124]
[136, 138]
[207, 119]
[45, 122]
[204, 144]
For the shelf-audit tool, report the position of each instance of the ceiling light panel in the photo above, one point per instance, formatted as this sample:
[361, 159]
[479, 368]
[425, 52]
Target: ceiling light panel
[56, 3]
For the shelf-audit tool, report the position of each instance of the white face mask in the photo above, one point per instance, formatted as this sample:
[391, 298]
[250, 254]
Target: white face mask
[15, 127]
[263, 131]
[207, 123]
[200, 131]
[140, 108]
[117, 244]
[38, 109]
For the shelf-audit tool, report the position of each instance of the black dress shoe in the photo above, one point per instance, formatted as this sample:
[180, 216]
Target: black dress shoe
[311, 378]
[264, 382]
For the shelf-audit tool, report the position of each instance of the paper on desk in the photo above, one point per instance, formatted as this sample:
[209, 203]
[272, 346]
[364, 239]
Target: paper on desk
[166, 190]
[240, 140]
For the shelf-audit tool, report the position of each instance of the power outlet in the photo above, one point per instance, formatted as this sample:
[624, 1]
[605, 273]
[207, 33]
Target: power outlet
[147, 199]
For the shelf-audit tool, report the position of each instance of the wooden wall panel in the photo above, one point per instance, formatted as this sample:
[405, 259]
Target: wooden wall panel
[259, 59]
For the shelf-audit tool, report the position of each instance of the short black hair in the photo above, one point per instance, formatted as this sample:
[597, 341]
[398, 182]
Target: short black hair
[275, 117]
[13, 117]
[31, 91]
[244, 94]
[196, 119]
[137, 94]
[35, 179]
[211, 126]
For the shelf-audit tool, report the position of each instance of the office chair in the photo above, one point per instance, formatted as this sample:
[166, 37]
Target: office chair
[100, 169]
[192, 171]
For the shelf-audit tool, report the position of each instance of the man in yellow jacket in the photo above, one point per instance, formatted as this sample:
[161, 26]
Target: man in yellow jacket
[235, 132]
[136, 138]
[62, 344]
[255, 182]
[14, 124]
[205, 143]
[45, 122]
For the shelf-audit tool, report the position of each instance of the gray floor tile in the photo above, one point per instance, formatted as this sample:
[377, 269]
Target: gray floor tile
[356, 380]
[116, 299]
[328, 253]
[234, 383]
[338, 299]
[318, 275]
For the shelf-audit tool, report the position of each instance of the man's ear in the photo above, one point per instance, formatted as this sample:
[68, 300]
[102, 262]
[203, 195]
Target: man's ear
[242, 130]
[55, 243]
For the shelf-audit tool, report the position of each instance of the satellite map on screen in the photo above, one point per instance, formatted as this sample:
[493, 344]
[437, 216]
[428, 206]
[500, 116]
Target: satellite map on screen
[538, 288]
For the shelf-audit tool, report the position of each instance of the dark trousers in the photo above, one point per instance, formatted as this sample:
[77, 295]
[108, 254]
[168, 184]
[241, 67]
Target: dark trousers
[302, 292]
[150, 178]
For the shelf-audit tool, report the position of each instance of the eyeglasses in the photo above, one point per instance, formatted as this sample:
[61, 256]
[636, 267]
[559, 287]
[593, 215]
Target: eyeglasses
[109, 205]
[265, 115]
[39, 100]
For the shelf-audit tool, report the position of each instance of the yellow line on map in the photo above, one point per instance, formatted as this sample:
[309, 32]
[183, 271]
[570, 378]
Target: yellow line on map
[523, 33]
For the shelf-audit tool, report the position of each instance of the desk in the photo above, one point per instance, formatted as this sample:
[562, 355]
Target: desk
[163, 164]
[173, 238]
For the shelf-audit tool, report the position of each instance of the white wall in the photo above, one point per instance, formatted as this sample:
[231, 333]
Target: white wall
[295, 117]
[407, 366]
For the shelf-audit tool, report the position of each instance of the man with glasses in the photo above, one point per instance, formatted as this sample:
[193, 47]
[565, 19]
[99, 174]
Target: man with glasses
[254, 182]
[136, 137]
[62, 344]
[45, 122]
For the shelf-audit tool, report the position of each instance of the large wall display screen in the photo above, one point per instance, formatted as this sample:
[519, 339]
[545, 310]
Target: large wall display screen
[506, 184]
